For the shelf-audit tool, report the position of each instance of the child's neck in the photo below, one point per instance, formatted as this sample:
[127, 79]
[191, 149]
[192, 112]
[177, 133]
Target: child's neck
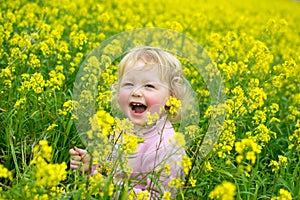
[144, 128]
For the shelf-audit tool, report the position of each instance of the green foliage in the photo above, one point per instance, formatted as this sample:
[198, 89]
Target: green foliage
[255, 45]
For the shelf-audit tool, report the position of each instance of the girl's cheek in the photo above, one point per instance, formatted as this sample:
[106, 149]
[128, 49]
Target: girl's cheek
[156, 101]
[123, 98]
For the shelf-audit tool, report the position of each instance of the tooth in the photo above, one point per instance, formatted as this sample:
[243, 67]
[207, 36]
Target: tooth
[136, 104]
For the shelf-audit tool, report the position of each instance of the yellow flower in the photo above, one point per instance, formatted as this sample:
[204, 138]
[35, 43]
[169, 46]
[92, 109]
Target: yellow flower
[251, 156]
[260, 116]
[247, 150]
[227, 139]
[37, 83]
[46, 173]
[223, 191]
[239, 159]
[111, 189]
[52, 126]
[257, 98]
[143, 195]
[274, 108]
[124, 125]
[102, 121]
[275, 165]
[283, 161]
[186, 163]
[67, 108]
[130, 143]
[78, 39]
[167, 195]
[174, 105]
[41, 197]
[56, 80]
[274, 119]
[180, 139]
[295, 137]
[34, 62]
[50, 174]
[207, 166]
[192, 131]
[246, 145]
[42, 151]
[175, 182]
[97, 181]
[228, 162]
[192, 181]
[167, 169]
[20, 102]
[261, 134]
[151, 119]
[5, 173]
[283, 195]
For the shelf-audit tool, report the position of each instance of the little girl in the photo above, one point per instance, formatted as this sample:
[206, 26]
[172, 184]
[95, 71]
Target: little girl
[147, 78]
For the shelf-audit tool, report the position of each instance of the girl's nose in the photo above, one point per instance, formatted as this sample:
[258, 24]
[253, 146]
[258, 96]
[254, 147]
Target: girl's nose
[137, 92]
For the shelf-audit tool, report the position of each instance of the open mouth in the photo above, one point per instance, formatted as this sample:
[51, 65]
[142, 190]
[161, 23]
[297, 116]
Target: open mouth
[137, 107]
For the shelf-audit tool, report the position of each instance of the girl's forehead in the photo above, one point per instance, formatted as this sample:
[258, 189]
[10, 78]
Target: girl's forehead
[138, 63]
[141, 66]
[146, 72]
[152, 68]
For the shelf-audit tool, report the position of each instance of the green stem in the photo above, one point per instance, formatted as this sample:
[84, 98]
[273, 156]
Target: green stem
[156, 153]
[13, 152]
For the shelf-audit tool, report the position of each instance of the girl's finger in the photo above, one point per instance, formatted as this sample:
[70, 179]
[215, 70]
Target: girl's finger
[74, 162]
[73, 152]
[76, 158]
[80, 151]
[74, 166]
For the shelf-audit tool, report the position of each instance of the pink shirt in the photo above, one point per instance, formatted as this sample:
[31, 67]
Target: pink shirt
[157, 150]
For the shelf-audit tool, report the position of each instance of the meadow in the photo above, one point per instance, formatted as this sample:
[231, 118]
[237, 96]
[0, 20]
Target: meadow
[254, 45]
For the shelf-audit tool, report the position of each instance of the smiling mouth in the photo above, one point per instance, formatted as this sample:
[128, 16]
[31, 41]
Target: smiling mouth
[138, 107]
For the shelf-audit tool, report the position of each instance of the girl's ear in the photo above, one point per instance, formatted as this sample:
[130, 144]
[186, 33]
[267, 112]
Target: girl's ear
[114, 89]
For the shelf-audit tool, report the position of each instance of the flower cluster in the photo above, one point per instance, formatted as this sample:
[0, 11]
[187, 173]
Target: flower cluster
[47, 174]
[5, 173]
[173, 105]
[44, 46]
[187, 164]
[67, 108]
[283, 195]
[144, 195]
[247, 150]
[125, 137]
[97, 139]
[224, 191]
[295, 138]
[277, 165]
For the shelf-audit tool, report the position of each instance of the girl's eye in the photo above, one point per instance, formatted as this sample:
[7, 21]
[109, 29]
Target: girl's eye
[127, 84]
[149, 86]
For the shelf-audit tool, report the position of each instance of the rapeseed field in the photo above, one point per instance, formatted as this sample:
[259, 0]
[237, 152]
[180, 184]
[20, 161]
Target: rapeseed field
[254, 58]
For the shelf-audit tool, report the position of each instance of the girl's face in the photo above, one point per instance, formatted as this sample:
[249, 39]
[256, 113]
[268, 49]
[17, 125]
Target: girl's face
[142, 91]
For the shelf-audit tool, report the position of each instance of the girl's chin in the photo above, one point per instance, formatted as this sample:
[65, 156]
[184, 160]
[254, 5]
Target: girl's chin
[138, 123]
[138, 119]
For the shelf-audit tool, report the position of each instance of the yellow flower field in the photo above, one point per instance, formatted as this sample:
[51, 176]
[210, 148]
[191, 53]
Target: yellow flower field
[255, 45]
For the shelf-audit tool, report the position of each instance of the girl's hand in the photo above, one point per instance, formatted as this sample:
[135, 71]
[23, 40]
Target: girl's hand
[79, 159]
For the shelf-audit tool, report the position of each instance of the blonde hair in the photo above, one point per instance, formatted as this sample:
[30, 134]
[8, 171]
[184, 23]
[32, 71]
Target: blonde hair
[170, 71]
